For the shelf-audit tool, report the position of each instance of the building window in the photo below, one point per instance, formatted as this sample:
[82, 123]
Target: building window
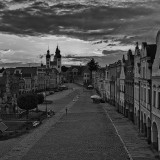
[144, 94]
[149, 96]
[141, 94]
[158, 100]
[143, 72]
[154, 99]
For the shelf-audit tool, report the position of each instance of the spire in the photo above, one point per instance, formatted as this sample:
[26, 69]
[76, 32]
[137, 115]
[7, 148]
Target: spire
[137, 47]
[48, 53]
[57, 52]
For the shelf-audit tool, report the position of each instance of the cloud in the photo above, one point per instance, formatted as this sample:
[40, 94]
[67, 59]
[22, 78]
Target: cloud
[5, 52]
[106, 52]
[83, 21]
[110, 26]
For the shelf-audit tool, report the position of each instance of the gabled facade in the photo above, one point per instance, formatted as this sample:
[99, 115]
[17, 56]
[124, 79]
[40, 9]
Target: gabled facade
[117, 95]
[112, 78]
[129, 86]
[122, 86]
[155, 119]
[86, 76]
[148, 52]
[75, 74]
[101, 82]
[137, 70]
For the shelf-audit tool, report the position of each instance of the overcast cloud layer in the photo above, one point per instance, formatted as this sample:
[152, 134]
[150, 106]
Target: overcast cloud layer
[111, 26]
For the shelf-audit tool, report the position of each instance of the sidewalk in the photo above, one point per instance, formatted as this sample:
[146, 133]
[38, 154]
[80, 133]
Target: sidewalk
[137, 146]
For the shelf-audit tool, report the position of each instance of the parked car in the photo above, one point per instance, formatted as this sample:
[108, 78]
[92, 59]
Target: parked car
[56, 90]
[51, 92]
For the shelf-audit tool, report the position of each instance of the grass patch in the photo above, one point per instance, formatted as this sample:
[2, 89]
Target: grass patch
[18, 127]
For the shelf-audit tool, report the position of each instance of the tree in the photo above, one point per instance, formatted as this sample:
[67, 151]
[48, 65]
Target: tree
[93, 66]
[40, 98]
[27, 102]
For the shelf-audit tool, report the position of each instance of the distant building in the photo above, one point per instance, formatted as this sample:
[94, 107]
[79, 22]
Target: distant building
[107, 84]
[112, 77]
[74, 74]
[86, 76]
[56, 64]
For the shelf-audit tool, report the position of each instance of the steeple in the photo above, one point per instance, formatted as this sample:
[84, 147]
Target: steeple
[48, 58]
[57, 53]
[48, 54]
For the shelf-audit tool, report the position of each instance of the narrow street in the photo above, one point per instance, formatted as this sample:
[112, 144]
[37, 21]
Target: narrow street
[84, 133]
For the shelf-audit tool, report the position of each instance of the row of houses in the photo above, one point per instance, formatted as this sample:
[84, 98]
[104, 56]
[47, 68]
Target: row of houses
[20, 80]
[132, 85]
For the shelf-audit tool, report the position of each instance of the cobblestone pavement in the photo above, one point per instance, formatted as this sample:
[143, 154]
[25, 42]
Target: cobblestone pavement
[136, 144]
[85, 133]
[57, 106]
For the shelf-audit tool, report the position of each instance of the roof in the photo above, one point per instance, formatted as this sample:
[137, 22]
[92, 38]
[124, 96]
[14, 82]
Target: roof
[2, 81]
[26, 75]
[1, 70]
[11, 70]
[28, 70]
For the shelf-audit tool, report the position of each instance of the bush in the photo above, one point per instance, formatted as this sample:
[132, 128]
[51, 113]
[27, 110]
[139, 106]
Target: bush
[40, 98]
[27, 102]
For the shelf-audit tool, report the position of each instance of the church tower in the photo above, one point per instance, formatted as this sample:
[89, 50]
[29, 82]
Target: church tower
[57, 59]
[48, 59]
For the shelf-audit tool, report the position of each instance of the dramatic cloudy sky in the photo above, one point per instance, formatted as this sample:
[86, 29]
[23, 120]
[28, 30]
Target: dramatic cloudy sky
[104, 29]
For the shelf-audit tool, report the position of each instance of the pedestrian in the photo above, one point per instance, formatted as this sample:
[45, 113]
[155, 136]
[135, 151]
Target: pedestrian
[66, 110]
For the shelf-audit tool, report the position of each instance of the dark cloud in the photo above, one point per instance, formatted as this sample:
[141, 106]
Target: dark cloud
[106, 52]
[83, 21]
[2, 5]
[21, 1]
[75, 20]
[102, 60]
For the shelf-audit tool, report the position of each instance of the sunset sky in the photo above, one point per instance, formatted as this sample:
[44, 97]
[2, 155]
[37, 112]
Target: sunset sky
[103, 29]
